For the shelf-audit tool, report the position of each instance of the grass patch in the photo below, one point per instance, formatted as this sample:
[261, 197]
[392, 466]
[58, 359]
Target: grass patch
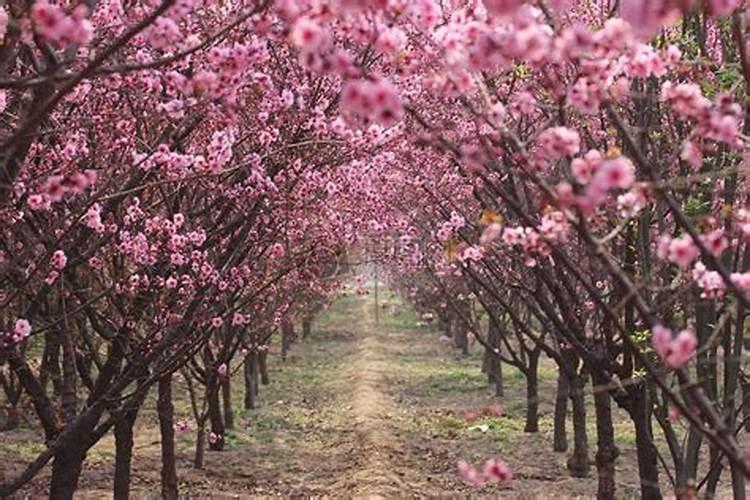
[22, 449]
[451, 381]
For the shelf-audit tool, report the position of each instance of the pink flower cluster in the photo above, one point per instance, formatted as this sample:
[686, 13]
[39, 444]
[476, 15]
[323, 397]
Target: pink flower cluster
[21, 331]
[558, 142]
[601, 176]
[3, 22]
[719, 121]
[710, 282]
[372, 101]
[57, 186]
[674, 351]
[648, 16]
[494, 471]
[53, 24]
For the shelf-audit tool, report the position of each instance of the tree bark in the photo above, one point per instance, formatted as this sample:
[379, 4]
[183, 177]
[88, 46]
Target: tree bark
[214, 415]
[165, 409]
[226, 394]
[124, 454]
[200, 446]
[532, 393]
[263, 367]
[606, 451]
[578, 463]
[250, 380]
[66, 469]
[648, 467]
[306, 326]
[560, 439]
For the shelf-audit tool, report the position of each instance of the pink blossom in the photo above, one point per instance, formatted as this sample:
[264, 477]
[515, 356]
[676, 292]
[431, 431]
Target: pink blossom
[691, 154]
[3, 22]
[723, 7]
[309, 36]
[617, 173]
[715, 241]
[51, 277]
[502, 7]
[674, 351]
[557, 142]
[372, 102]
[238, 319]
[683, 251]
[59, 260]
[222, 370]
[22, 328]
[54, 188]
[38, 202]
[470, 474]
[217, 322]
[495, 470]
[391, 40]
[490, 234]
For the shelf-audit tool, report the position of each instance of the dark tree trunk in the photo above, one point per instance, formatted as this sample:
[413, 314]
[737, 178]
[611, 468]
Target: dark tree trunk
[648, 467]
[560, 440]
[714, 475]
[578, 463]
[745, 382]
[69, 396]
[606, 451]
[124, 454]
[492, 365]
[532, 393]
[691, 459]
[200, 446]
[461, 337]
[165, 409]
[66, 469]
[50, 369]
[250, 369]
[499, 385]
[263, 367]
[306, 326]
[287, 337]
[215, 417]
[226, 393]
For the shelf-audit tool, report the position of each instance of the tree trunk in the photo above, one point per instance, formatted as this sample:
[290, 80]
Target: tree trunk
[499, 385]
[69, 396]
[215, 417]
[714, 475]
[691, 459]
[606, 451]
[532, 393]
[648, 467]
[226, 393]
[745, 382]
[306, 326]
[66, 469]
[560, 440]
[165, 409]
[124, 454]
[200, 446]
[250, 380]
[460, 337]
[263, 367]
[578, 463]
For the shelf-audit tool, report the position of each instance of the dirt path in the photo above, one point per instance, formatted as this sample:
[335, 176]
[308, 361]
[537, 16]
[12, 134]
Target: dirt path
[385, 471]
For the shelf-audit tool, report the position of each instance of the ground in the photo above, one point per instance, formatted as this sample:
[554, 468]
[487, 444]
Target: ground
[362, 408]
